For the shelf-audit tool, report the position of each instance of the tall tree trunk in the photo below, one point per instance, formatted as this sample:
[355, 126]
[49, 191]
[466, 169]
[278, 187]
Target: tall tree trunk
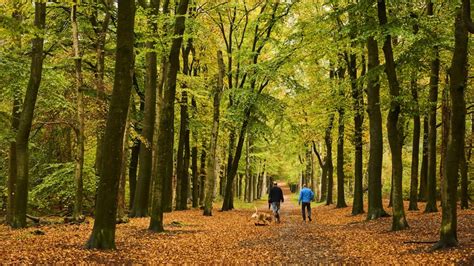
[247, 172]
[324, 185]
[424, 163]
[18, 218]
[195, 175]
[212, 159]
[181, 170]
[163, 186]
[103, 233]
[185, 174]
[135, 149]
[132, 171]
[15, 120]
[464, 181]
[464, 169]
[341, 202]
[142, 193]
[457, 86]
[121, 205]
[445, 128]
[415, 150]
[194, 161]
[358, 96]
[328, 163]
[433, 98]
[394, 126]
[101, 34]
[375, 207]
[202, 179]
[79, 158]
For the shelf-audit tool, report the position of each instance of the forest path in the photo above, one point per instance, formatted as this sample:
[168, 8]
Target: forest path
[334, 236]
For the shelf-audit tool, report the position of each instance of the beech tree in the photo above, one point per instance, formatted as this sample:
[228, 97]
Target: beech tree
[20, 199]
[103, 233]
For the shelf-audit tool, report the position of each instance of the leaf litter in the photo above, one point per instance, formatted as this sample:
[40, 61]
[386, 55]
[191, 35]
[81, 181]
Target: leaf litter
[334, 236]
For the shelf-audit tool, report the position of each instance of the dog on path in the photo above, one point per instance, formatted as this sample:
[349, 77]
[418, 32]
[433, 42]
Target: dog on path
[261, 218]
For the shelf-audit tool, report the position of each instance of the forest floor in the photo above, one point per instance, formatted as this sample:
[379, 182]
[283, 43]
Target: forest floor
[334, 236]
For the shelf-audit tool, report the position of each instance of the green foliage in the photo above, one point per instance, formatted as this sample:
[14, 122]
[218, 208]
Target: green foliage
[55, 192]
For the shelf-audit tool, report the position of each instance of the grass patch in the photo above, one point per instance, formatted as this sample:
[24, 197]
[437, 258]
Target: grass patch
[240, 204]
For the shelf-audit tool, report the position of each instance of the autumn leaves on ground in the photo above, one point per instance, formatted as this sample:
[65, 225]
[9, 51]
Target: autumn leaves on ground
[231, 237]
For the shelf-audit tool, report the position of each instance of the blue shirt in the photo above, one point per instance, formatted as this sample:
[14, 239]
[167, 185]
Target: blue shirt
[306, 195]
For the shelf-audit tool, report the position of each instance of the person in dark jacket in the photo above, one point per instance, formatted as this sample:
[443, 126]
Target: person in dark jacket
[274, 199]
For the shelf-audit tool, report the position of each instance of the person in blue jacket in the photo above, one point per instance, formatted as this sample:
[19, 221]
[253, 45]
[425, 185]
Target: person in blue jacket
[305, 198]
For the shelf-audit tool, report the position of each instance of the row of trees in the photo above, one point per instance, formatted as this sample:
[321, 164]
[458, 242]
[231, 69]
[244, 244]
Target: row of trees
[358, 40]
[154, 43]
[260, 79]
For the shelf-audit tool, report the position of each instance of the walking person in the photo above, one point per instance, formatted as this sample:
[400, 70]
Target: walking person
[274, 199]
[305, 198]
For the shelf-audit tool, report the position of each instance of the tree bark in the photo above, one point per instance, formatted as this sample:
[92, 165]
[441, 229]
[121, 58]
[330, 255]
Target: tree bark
[101, 35]
[394, 127]
[457, 86]
[375, 207]
[433, 98]
[195, 176]
[212, 159]
[415, 149]
[15, 120]
[163, 186]
[424, 162]
[341, 202]
[121, 205]
[328, 163]
[132, 171]
[103, 233]
[181, 170]
[202, 179]
[79, 158]
[142, 193]
[18, 219]
[445, 128]
[358, 96]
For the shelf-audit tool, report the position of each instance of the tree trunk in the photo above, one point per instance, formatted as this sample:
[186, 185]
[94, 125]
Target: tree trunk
[457, 86]
[132, 171]
[185, 174]
[182, 172]
[375, 207]
[341, 202]
[15, 120]
[103, 233]
[100, 42]
[121, 206]
[424, 163]
[195, 176]
[415, 150]
[433, 98]
[18, 218]
[464, 182]
[202, 180]
[212, 159]
[394, 126]
[328, 163]
[163, 185]
[142, 193]
[358, 96]
[79, 158]
[247, 172]
[445, 128]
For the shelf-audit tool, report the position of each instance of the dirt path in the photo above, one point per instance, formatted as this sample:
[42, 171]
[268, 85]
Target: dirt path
[334, 236]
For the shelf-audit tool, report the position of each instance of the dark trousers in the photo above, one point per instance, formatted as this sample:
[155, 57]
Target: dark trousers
[306, 206]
